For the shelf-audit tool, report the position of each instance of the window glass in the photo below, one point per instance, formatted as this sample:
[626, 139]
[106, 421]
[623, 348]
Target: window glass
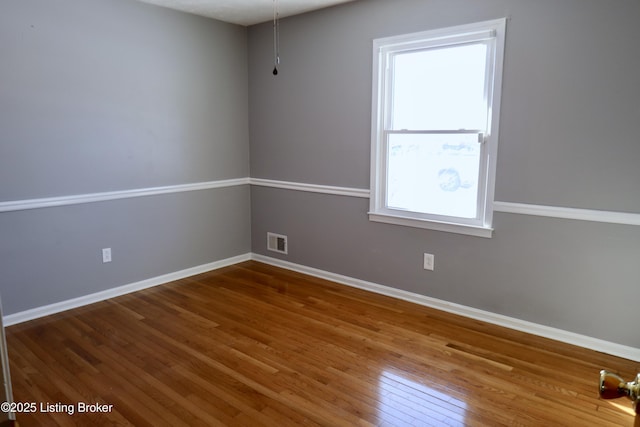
[435, 174]
[440, 88]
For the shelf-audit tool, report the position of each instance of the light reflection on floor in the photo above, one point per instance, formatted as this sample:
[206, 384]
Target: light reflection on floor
[404, 402]
[622, 405]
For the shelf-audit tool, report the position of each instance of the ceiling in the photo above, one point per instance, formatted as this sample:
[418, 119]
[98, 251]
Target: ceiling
[245, 12]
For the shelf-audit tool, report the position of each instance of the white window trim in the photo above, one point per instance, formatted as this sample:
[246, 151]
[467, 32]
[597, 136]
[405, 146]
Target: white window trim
[377, 211]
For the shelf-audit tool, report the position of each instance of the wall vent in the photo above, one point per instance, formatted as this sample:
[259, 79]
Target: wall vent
[277, 243]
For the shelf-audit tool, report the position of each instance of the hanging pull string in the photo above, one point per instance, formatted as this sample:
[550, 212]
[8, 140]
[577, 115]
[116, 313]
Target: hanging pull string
[276, 37]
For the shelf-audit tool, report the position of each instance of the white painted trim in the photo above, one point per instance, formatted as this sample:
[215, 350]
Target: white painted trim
[470, 230]
[48, 202]
[492, 34]
[470, 312]
[58, 307]
[312, 188]
[568, 213]
[612, 217]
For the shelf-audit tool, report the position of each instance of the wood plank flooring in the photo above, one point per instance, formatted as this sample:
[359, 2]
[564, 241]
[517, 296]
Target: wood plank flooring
[254, 345]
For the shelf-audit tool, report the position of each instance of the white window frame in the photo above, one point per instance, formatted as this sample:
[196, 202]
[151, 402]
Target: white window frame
[383, 51]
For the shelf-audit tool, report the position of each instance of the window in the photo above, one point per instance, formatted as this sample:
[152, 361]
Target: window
[436, 98]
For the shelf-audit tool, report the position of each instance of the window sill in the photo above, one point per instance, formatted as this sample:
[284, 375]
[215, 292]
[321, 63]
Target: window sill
[470, 230]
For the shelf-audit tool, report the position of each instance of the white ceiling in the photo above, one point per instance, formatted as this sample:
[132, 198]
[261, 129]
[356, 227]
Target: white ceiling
[245, 12]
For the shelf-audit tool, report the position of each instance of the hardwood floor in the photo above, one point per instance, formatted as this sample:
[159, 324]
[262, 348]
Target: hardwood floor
[254, 345]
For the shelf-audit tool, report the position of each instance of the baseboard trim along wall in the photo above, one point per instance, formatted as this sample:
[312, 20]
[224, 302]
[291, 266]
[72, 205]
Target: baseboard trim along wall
[461, 310]
[470, 312]
[61, 306]
[612, 217]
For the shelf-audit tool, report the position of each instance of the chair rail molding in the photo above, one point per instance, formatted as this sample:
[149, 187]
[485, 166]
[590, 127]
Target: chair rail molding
[560, 212]
[48, 202]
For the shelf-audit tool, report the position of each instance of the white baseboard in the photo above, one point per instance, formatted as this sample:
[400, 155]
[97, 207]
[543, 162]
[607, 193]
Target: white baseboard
[596, 344]
[58, 307]
[470, 312]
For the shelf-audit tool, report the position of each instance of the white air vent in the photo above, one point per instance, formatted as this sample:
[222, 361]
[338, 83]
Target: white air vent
[277, 243]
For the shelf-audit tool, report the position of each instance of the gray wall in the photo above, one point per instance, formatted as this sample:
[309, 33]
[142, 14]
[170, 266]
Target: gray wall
[103, 95]
[568, 138]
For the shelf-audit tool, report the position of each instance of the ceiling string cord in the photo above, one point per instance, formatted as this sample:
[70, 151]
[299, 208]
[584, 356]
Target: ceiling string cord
[276, 38]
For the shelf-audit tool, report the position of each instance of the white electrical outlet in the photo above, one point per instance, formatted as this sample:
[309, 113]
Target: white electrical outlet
[106, 255]
[428, 261]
